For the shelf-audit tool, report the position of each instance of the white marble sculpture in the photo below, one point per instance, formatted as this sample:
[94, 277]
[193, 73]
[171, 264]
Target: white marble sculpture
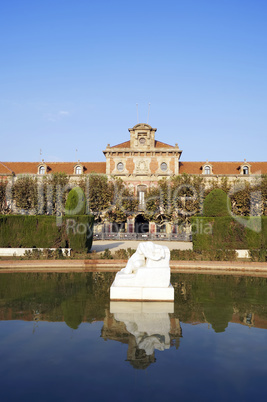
[146, 275]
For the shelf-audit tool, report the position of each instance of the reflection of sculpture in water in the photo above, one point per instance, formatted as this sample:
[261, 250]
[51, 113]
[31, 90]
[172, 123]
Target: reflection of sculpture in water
[146, 275]
[151, 331]
[149, 328]
[138, 357]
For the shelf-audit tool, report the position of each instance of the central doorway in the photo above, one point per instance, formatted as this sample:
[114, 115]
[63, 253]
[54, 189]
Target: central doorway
[141, 224]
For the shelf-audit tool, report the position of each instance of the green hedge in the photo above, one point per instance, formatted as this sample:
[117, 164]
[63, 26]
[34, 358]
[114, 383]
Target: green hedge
[76, 202]
[216, 203]
[20, 231]
[221, 233]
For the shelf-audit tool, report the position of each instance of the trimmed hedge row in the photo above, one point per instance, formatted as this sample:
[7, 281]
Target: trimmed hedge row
[40, 231]
[222, 233]
[216, 203]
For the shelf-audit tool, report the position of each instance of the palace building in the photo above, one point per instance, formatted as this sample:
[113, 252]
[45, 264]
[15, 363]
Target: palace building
[140, 162]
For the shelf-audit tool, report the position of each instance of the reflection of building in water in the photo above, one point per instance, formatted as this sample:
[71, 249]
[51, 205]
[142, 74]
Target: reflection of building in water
[146, 327]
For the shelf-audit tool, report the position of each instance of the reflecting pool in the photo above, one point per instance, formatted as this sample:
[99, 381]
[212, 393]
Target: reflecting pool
[62, 340]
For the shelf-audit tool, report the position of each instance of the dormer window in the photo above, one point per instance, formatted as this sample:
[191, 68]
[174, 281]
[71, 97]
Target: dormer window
[78, 170]
[245, 170]
[41, 170]
[207, 170]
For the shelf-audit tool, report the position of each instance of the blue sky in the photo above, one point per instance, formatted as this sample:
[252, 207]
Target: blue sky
[72, 72]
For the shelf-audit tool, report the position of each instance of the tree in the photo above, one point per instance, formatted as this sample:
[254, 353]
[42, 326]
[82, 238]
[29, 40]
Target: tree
[153, 204]
[76, 203]
[187, 196]
[98, 192]
[249, 198]
[123, 203]
[3, 206]
[53, 192]
[108, 197]
[263, 188]
[25, 194]
[175, 199]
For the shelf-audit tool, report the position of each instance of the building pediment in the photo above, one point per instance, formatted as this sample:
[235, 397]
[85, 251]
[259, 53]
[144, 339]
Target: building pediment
[142, 155]
[142, 139]
[142, 136]
[142, 126]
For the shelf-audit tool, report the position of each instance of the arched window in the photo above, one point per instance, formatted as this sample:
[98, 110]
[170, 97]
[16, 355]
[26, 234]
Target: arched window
[78, 170]
[207, 170]
[245, 170]
[41, 170]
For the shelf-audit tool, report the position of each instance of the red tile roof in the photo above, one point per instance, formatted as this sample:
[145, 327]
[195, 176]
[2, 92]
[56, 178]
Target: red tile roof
[52, 167]
[4, 169]
[222, 167]
[125, 144]
[225, 168]
[159, 144]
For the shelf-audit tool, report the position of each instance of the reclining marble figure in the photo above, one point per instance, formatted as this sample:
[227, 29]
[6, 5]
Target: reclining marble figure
[148, 267]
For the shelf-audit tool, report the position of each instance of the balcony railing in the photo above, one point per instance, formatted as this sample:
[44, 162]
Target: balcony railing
[143, 236]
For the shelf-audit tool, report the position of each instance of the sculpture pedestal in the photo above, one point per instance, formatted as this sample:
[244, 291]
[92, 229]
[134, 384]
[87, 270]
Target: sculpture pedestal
[141, 293]
[146, 276]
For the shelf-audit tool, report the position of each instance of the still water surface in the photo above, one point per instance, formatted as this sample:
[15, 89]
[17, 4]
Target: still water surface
[62, 340]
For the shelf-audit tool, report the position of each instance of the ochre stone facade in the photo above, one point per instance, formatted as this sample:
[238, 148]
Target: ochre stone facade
[142, 160]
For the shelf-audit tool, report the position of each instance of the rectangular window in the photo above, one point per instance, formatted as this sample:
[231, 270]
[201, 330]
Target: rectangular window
[141, 199]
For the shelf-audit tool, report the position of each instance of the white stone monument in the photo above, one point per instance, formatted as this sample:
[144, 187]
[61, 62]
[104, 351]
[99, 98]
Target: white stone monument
[146, 275]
